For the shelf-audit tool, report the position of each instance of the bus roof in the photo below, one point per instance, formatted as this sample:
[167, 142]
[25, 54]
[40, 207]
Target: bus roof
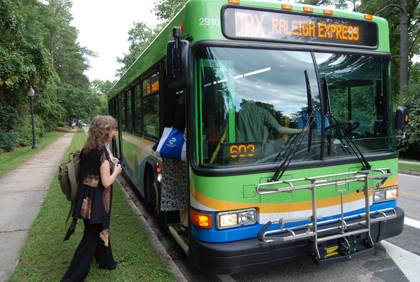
[201, 20]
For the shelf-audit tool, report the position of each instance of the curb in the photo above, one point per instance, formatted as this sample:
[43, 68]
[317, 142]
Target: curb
[173, 268]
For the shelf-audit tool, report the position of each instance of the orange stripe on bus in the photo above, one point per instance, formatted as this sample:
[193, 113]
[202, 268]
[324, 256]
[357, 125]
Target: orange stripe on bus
[216, 204]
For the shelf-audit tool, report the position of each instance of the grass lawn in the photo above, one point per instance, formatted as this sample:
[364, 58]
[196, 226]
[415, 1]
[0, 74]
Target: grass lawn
[45, 257]
[10, 160]
[408, 167]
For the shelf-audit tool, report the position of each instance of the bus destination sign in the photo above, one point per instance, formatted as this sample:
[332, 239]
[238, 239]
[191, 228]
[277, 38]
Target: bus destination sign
[243, 23]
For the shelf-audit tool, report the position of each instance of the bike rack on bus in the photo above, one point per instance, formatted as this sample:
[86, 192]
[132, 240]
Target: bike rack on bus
[318, 226]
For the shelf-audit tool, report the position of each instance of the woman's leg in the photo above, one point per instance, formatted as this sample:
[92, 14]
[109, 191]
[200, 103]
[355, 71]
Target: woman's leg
[80, 264]
[103, 255]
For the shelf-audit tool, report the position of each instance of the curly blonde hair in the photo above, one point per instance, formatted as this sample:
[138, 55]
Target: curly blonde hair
[99, 132]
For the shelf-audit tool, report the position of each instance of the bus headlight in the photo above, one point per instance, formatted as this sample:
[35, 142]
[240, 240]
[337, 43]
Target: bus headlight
[392, 193]
[386, 194]
[237, 218]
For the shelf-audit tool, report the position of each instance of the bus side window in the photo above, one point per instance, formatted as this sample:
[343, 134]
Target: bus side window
[129, 110]
[138, 121]
[124, 111]
[151, 122]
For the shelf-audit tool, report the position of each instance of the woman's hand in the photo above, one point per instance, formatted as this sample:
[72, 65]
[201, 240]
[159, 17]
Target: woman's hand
[106, 177]
[117, 168]
[115, 160]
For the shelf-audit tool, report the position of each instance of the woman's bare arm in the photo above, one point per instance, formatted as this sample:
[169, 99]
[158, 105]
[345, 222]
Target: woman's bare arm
[106, 177]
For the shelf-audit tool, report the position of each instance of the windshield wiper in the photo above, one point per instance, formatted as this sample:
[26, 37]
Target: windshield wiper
[290, 150]
[351, 144]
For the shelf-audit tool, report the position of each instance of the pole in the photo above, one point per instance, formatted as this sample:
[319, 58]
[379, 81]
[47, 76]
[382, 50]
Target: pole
[33, 123]
[403, 46]
[403, 41]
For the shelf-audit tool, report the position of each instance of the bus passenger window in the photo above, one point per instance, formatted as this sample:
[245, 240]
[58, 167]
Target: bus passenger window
[129, 111]
[124, 111]
[151, 105]
[138, 110]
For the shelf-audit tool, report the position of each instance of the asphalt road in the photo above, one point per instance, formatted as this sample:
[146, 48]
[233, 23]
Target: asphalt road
[396, 259]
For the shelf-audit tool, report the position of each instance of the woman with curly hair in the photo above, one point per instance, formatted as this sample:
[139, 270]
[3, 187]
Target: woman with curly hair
[97, 171]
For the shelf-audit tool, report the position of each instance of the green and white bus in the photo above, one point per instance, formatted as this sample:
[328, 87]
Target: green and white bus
[291, 138]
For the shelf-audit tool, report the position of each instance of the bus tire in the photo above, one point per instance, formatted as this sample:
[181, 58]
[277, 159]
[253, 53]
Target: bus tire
[151, 191]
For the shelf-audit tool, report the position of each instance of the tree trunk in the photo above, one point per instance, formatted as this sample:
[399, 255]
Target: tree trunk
[403, 46]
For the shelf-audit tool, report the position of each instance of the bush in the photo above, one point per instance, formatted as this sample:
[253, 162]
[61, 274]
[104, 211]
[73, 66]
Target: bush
[410, 147]
[17, 130]
[9, 141]
[25, 130]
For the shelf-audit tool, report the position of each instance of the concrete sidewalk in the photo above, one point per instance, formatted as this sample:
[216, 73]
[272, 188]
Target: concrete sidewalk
[22, 192]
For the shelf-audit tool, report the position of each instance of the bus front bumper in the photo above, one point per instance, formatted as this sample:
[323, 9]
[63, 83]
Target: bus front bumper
[233, 257]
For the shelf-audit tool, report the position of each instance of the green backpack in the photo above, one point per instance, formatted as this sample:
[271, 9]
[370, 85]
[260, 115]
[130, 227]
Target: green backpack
[67, 176]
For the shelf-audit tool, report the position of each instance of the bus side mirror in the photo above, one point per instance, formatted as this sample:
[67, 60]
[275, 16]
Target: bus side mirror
[178, 60]
[401, 117]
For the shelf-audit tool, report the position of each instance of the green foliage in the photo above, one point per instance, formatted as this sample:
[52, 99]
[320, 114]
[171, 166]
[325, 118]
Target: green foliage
[392, 14]
[38, 47]
[166, 9]
[139, 36]
[8, 141]
[411, 100]
[22, 55]
[411, 96]
[101, 87]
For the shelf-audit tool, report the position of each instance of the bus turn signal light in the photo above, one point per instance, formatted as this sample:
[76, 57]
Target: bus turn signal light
[234, 2]
[369, 17]
[287, 7]
[307, 9]
[201, 220]
[328, 12]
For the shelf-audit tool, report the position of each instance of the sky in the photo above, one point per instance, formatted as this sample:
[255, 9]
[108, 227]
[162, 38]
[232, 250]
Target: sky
[103, 28]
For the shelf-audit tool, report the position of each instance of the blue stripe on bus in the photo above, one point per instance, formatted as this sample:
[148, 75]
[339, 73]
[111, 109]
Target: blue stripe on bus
[214, 235]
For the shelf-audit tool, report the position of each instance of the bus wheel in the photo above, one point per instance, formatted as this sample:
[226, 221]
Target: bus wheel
[152, 193]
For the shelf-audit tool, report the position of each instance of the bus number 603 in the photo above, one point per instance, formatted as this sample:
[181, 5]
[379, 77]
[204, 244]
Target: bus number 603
[242, 151]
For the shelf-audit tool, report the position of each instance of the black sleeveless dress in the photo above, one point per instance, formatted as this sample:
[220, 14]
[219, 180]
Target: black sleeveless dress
[93, 201]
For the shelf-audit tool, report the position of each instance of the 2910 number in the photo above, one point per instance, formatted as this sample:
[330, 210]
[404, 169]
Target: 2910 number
[209, 21]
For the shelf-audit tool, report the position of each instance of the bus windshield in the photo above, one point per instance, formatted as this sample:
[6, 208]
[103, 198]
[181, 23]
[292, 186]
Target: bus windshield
[356, 102]
[252, 103]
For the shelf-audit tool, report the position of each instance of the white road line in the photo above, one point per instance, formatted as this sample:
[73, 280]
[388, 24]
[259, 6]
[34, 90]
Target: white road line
[410, 175]
[407, 262]
[412, 222]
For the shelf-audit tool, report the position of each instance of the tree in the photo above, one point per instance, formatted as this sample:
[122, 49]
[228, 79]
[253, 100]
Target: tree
[166, 9]
[101, 87]
[139, 36]
[38, 47]
[404, 30]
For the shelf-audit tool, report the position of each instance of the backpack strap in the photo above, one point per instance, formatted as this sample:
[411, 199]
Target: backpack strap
[73, 180]
[69, 214]
[71, 229]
